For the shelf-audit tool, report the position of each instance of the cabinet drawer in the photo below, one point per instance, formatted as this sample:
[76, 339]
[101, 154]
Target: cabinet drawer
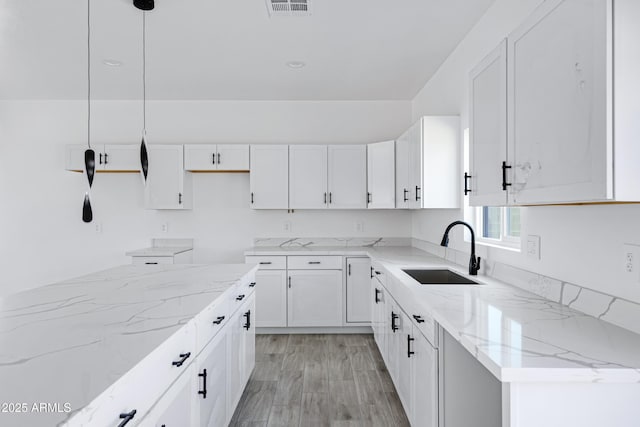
[152, 260]
[423, 320]
[212, 320]
[314, 262]
[267, 262]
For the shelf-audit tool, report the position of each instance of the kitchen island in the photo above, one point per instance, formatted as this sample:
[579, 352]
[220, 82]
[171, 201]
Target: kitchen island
[94, 349]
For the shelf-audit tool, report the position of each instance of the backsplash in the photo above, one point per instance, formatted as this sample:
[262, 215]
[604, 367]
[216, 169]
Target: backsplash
[612, 309]
[303, 242]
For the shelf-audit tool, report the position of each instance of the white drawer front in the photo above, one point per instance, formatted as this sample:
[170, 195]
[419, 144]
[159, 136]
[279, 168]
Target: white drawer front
[152, 260]
[268, 262]
[314, 262]
[212, 320]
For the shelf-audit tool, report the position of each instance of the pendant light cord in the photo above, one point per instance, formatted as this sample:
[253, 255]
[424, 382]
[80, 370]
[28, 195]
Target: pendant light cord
[144, 72]
[89, 73]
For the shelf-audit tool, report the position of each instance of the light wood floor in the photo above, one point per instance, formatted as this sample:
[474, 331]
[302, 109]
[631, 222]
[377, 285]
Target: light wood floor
[319, 380]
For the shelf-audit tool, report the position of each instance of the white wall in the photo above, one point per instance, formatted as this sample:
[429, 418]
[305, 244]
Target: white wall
[43, 239]
[579, 244]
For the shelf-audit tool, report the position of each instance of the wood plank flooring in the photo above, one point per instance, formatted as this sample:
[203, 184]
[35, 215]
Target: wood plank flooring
[319, 380]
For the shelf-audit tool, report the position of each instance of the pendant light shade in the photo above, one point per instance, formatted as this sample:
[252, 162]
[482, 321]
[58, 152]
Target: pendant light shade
[144, 159]
[87, 212]
[90, 164]
[144, 4]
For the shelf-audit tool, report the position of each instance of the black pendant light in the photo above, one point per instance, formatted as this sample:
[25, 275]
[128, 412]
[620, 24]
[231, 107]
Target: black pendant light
[144, 5]
[89, 154]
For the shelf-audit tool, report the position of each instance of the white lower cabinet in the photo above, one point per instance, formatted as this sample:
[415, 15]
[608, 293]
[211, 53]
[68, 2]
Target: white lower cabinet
[212, 383]
[241, 352]
[357, 290]
[175, 407]
[314, 298]
[271, 298]
[424, 382]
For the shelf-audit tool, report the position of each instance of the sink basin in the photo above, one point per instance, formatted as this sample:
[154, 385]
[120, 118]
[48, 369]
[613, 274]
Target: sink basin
[439, 277]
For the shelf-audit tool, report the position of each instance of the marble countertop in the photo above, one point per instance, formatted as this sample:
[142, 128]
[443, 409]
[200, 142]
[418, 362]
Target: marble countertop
[159, 251]
[518, 336]
[68, 342]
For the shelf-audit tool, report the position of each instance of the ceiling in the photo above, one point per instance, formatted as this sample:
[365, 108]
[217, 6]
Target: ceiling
[214, 49]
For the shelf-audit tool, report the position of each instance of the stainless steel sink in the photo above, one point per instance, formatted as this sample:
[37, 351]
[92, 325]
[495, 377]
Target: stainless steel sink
[439, 277]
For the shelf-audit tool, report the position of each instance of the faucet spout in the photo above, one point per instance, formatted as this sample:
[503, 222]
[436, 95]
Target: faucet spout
[474, 263]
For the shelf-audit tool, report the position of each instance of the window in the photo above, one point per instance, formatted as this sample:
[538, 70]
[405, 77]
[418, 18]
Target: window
[493, 225]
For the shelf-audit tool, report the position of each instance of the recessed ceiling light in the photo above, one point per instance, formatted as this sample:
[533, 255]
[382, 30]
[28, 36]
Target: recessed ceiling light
[295, 64]
[112, 62]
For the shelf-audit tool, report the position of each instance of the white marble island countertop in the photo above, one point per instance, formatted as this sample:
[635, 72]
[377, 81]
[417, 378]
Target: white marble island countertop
[159, 251]
[518, 336]
[68, 342]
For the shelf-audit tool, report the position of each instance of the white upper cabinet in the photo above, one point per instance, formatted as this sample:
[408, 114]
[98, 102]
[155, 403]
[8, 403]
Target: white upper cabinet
[308, 177]
[402, 173]
[488, 130]
[168, 186]
[269, 177]
[381, 175]
[347, 176]
[220, 157]
[561, 101]
[109, 157]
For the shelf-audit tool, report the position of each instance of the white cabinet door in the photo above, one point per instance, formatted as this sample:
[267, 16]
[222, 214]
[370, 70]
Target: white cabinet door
[175, 407]
[414, 166]
[347, 176]
[212, 382]
[235, 362]
[378, 297]
[405, 340]
[200, 157]
[232, 157]
[308, 177]
[402, 172]
[271, 298]
[557, 104]
[358, 290]
[438, 174]
[424, 382]
[269, 176]
[167, 186]
[121, 157]
[488, 129]
[315, 298]
[394, 338]
[381, 175]
[249, 338]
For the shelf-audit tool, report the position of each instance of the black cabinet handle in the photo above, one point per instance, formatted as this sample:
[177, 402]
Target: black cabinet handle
[314, 262]
[330, 201]
[219, 157]
[127, 417]
[505, 184]
[247, 316]
[179, 198]
[106, 158]
[252, 284]
[100, 158]
[378, 292]
[418, 197]
[467, 178]
[409, 352]
[213, 158]
[218, 320]
[151, 263]
[240, 297]
[406, 199]
[377, 272]
[289, 282]
[419, 319]
[371, 272]
[349, 270]
[368, 197]
[251, 198]
[325, 198]
[203, 392]
[265, 262]
[394, 316]
[183, 358]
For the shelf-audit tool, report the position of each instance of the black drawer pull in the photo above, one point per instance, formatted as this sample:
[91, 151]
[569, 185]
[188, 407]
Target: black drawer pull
[100, 158]
[179, 198]
[218, 320]
[377, 272]
[213, 158]
[183, 358]
[419, 319]
[371, 272]
[265, 262]
[406, 199]
[378, 292]
[203, 392]
[369, 198]
[252, 203]
[240, 297]
[349, 270]
[106, 158]
[505, 184]
[219, 157]
[151, 263]
[394, 327]
[314, 262]
[418, 193]
[252, 284]
[409, 352]
[247, 316]
[467, 178]
[127, 417]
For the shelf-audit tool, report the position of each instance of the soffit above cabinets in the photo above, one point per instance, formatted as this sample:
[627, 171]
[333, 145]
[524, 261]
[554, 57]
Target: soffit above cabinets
[203, 49]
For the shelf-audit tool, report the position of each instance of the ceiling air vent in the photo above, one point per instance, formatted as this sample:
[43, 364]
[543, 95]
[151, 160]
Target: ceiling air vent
[289, 7]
